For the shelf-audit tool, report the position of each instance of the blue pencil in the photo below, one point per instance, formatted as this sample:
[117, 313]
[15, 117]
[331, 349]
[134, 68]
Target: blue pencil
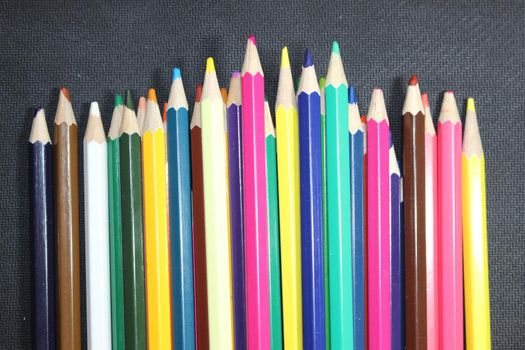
[178, 146]
[356, 140]
[312, 249]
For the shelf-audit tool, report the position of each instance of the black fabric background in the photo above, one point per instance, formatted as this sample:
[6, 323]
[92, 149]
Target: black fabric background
[97, 48]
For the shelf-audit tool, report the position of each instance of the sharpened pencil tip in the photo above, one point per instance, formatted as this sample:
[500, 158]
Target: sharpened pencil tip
[335, 48]
[94, 110]
[65, 92]
[210, 65]
[307, 59]
[129, 100]
[413, 80]
[424, 99]
[198, 93]
[142, 103]
[470, 105]
[252, 39]
[352, 99]
[152, 96]
[285, 59]
[118, 100]
[322, 82]
[176, 73]
[236, 74]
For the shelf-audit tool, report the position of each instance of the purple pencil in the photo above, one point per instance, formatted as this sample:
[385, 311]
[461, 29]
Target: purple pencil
[236, 208]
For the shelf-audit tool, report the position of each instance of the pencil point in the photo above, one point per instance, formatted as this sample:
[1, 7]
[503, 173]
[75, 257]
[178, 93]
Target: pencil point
[413, 80]
[470, 105]
[322, 81]
[198, 93]
[176, 73]
[65, 92]
[118, 100]
[285, 59]
[152, 96]
[236, 74]
[210, 66]
[307, 59]
[335, 48]
[129, 100]
[252, 39]
[424, 98]
[142, 103]
[94, 110]
[352, 99]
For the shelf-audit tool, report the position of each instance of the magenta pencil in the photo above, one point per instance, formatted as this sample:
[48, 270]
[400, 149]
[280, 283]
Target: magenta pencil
[450, 257]
[431, 226]
[255, 200]
[378, 187]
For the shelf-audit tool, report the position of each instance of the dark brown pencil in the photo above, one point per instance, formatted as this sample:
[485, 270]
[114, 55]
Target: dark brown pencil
[414, 197]
[66, 221]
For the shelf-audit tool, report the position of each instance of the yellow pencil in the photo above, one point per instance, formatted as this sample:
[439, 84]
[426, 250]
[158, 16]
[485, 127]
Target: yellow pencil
[287, 130]
[214, 164]
[156, 228]
[475, 252]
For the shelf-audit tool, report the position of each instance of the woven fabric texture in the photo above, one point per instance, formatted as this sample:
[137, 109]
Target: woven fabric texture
[96, 48]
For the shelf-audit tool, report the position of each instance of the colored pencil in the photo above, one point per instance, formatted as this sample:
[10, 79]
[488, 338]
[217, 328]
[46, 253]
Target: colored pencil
[326, 273]
[132, 231]
[115, 228]
[98, 290]
[365, 225]
[338, 200]
[378, 187]
[199, 230]
[311, 185]
[414, 211]
[66, 224]
[276, 325]
[141, 112]
[396, 253]
[214, 163]
[255, 200]
[287, 139]
[356, 139]
[475, 247]
[236, 208]
[181, 254]
[431, 238]
[158, 289]
[43, 243]
[450, 244]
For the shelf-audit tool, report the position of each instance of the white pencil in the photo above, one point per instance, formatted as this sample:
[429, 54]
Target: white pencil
[97, 233]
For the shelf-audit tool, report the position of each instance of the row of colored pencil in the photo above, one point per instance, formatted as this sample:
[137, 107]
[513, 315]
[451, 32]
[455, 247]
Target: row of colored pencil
[224, 231]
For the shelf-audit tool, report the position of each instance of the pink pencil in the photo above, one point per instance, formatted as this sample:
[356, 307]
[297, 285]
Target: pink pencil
[449, 226]
[378, 182]
[431, 226]
[255, 200]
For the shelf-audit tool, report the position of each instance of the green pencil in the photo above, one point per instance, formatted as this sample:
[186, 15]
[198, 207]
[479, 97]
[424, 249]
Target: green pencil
[322, 81]
[276, 330]
[338, 200]
[115, 228]
[132, 234]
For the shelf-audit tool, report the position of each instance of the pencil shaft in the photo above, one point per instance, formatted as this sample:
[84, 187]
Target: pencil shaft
[237, 223]
[397, 294]
[158, 290]
[414, 211]
[115, 244]
[132, 241]
[180, 228]
[255, 212]
[357, 210]
[450, 245]
[312, 254]
[339, 241]
[98, 290]
[43, 252]
[365, 222]
[276, 323]
[67, 239]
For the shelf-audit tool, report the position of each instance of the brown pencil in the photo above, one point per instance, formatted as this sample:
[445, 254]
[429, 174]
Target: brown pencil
[414, 197]
[66, 220]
